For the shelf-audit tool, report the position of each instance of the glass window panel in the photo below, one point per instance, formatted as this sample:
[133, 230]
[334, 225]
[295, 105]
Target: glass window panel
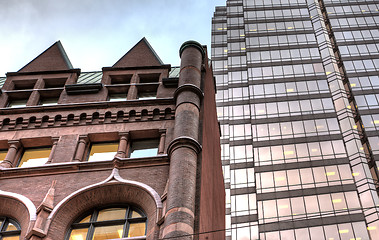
[109, 232]
[297, 205]
[3, 154]
[144, 148]
[78, 234]
[86, 219]
[34, 157]
[49, 101]
[17, 103]
[11, 238]
[111, 214]
[103, 151]
[331, 232]
[11, 227]
[311, 204]
[117, 97]
[317, 233]
[137, 229]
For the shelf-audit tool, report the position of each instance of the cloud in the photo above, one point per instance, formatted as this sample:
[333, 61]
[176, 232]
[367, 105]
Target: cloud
[95, 33]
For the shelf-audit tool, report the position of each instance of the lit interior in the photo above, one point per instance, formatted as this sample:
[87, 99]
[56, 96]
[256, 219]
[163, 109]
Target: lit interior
[34, 157]
[102, 151]
[109, 232]
[137, 229]
[111, 214]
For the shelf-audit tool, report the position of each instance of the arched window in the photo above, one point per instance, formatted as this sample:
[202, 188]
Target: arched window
[109, 223]
[9, 229]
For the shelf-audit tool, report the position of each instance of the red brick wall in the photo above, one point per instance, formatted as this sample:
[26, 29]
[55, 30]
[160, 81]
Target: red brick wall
[212, 198]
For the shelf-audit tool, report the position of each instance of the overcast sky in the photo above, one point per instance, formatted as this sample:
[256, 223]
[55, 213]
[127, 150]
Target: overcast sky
[96, 33]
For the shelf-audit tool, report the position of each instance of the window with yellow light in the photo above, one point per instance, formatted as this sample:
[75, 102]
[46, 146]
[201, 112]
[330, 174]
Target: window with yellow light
[109, 223]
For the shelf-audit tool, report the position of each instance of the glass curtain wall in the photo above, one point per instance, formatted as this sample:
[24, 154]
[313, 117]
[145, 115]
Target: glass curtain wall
[297, 100]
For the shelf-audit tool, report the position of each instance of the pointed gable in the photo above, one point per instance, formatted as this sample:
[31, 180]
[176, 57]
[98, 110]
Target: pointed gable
[141, 55]
[52, 59]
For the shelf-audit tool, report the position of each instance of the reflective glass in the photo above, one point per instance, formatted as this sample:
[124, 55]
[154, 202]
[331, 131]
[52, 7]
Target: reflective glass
[117, 97]
[34, 157]
[17, 103]
[144, 148]
[49, 101]
[102, 151]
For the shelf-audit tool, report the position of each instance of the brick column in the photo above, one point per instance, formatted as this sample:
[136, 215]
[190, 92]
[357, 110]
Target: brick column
[10, 159]
[184, 149]
[83, 139]
[123, 144]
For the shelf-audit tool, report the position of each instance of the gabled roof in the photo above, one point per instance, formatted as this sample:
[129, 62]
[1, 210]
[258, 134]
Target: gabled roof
[141, 55]
[52, 59]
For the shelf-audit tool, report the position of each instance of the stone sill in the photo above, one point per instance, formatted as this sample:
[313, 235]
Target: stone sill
[76, 167]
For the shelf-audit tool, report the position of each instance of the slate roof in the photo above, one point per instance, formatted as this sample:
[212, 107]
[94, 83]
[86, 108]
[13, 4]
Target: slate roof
[95, 77]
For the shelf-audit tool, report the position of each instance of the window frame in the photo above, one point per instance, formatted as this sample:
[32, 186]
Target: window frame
[23, 150]
[106, 142]
[4, 224]
[93, 223]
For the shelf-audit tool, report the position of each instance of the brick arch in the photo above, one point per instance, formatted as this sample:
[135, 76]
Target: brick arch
[20, 208]
[113, 190]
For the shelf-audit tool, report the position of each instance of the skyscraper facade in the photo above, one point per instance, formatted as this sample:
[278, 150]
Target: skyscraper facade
[297, 97]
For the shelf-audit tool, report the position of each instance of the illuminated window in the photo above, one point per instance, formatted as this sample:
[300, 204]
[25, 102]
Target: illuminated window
[109, 223]
[9, 229]
[34, 157]
[102, 151]
[144, 148]
[17, 103]
[3, 154]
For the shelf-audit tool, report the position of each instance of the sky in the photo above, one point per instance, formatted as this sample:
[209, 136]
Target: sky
[96, 33]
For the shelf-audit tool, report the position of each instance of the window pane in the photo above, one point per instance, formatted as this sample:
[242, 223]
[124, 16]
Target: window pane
[109, 232]
[147, 95]
[34, 157]
[17, 103]
[86, 219]
[11, 227]
[3, 154]
[144, 148]
[49, 101]
[111, 214]
[117, 97]
[136, 214]
[11, 238]
[78, 234]
[102, 151]
[137, 229]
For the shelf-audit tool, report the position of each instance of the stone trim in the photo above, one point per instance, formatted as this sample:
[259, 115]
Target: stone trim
[112, 179]
[87, 118]
[184, 142]
[25, 201]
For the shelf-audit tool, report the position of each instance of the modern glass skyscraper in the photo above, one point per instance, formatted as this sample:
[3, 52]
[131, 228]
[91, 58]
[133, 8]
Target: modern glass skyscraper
[298, 93]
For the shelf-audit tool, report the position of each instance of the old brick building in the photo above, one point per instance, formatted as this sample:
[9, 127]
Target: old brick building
[129, 152]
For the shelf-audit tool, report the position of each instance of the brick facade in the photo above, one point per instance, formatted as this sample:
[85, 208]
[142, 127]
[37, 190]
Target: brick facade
[180, 189]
